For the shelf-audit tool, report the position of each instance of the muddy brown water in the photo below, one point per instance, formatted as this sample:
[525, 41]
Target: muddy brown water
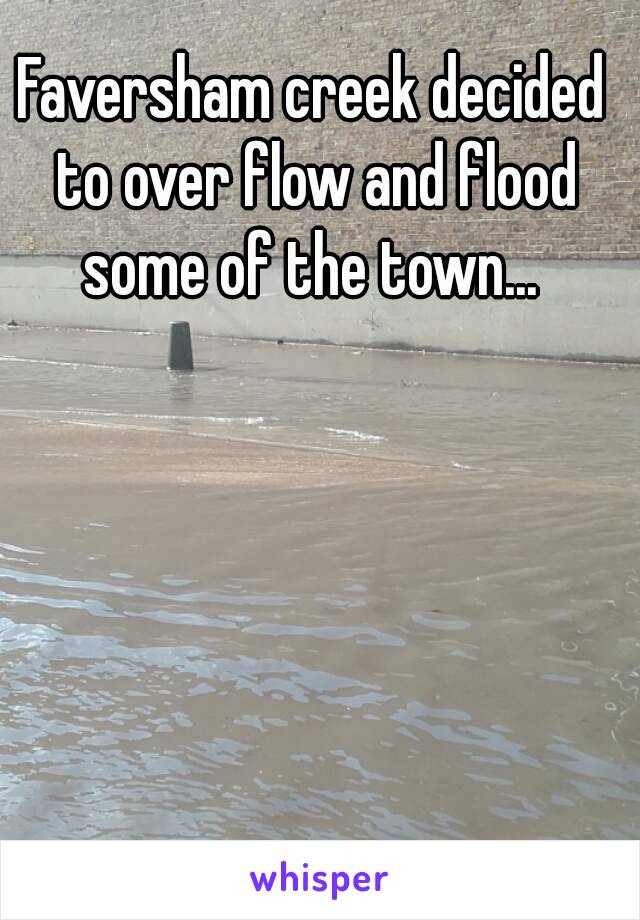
[316, 593]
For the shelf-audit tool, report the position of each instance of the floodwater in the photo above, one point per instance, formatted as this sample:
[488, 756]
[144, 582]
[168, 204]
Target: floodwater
[312, 592]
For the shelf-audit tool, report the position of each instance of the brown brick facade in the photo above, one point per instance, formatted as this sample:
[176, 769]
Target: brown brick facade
[336, 36]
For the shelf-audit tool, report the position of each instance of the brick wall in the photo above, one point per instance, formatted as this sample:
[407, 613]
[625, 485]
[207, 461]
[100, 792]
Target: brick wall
[336, 36]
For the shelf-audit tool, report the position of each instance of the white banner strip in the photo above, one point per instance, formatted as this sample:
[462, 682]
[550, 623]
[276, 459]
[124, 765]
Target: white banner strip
[398, 880]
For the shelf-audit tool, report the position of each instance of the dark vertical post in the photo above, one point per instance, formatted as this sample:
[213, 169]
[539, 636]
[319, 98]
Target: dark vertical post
[180, 353]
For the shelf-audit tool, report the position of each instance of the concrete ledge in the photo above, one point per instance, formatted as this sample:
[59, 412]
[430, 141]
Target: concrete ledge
[588, 310]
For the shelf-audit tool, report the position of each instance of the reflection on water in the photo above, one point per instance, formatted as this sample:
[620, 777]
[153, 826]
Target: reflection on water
[507, 416]
[453, 657]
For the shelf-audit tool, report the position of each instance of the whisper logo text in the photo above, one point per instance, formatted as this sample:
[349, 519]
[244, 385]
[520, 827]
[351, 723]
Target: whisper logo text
[304, 880]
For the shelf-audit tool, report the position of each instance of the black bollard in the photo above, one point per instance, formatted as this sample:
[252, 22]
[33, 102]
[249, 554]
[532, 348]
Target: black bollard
[180, 354]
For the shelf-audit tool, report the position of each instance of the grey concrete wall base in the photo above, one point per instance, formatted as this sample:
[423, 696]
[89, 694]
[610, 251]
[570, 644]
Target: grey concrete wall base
[587, 309]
